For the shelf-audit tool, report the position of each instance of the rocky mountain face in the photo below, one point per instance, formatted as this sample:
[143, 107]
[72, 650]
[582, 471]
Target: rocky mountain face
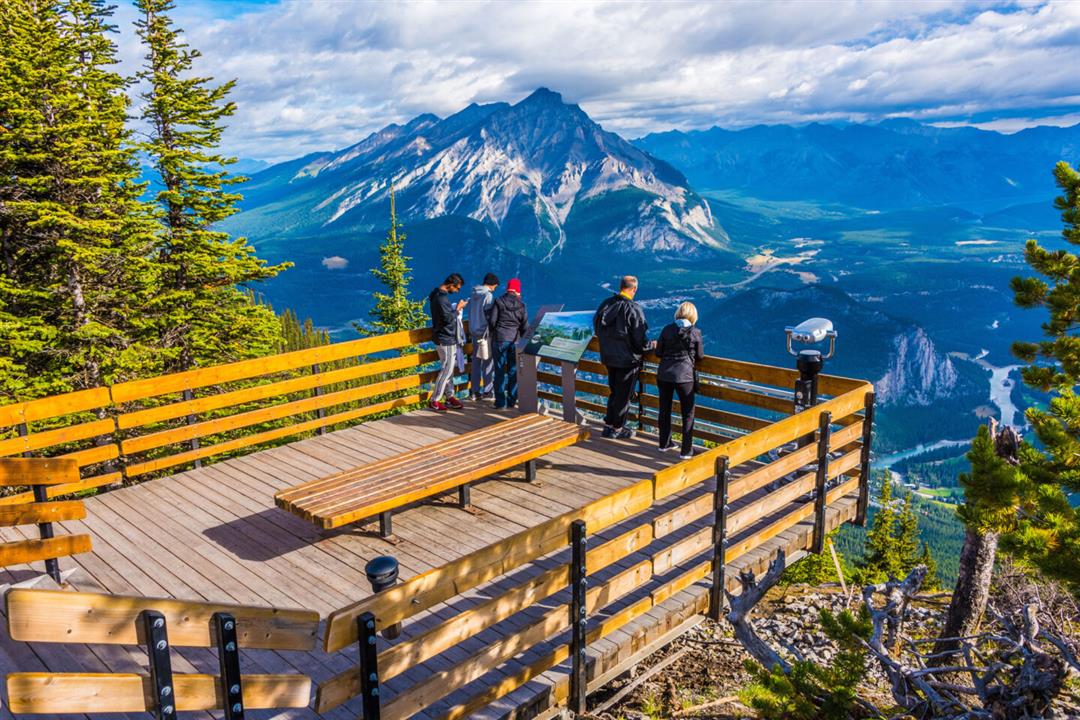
[540, 176]
[918, 374]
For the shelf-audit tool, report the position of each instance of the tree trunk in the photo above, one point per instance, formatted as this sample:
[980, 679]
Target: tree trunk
[971, 592]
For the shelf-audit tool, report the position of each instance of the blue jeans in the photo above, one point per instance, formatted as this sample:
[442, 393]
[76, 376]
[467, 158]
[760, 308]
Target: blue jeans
[505, 374]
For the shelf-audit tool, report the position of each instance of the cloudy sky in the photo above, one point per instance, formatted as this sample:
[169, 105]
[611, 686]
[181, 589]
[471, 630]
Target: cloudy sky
[321, 74]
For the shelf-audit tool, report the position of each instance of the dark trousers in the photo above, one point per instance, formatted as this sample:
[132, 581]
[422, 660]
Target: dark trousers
[505, 374]
[686, 402]
[621, 382]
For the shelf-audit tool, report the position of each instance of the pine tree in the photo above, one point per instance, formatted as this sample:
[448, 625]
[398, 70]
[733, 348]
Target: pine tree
[926, 558]
[907, 538]
[394, 310]
[880, 559]
[74, 234]
[1047, 531]
[203, 315]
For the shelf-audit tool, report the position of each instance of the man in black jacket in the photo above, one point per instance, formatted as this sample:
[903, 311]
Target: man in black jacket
[621, 329]
[508, 322]
[444, 333]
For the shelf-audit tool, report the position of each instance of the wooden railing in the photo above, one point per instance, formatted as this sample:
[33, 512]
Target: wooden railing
[135, 428]
[770, 477]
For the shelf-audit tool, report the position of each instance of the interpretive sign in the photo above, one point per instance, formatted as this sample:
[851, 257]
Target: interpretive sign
[562, 336]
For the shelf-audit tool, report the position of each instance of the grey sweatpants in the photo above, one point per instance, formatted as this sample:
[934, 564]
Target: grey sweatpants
[444, 381]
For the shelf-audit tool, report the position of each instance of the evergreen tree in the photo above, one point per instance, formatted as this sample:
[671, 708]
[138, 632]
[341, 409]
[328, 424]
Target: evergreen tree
[74, 236]
[907, 538]
[202, 313]
[989, 508]
[394, 310]
[880, 558]
[1047, 530]
[926, 558]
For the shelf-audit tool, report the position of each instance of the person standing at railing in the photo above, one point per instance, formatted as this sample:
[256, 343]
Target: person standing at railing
[620, 327]
[680, 349]
[444, 333]
[509, 322]
[483, 362]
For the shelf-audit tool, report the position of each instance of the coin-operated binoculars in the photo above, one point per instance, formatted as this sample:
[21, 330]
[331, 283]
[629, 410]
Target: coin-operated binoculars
[809, 361]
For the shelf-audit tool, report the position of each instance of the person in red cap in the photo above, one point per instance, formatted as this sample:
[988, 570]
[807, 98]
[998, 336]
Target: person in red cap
[509, 322]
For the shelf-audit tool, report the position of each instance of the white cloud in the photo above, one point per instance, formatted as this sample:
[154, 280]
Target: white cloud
[335, 262]
[320, 75]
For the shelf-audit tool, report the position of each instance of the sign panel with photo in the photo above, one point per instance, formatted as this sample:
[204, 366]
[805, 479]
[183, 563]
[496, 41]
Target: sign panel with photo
[562, 336]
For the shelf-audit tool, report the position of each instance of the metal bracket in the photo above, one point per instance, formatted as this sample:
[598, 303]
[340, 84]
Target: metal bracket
[864, 461]
[229, 661]
[321, 412]
[191, 420]
[824, 431]
[161, 677]
[579, 582]
[720, 510]
[369, 668]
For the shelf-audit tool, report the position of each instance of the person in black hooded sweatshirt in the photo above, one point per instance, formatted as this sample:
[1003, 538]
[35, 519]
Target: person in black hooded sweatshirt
[680, 349]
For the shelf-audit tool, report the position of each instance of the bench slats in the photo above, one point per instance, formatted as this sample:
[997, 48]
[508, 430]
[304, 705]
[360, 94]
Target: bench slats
[368, 490]
[28, 551]
[38, 471]
[130, 693]
[58, 616]
[41, 512]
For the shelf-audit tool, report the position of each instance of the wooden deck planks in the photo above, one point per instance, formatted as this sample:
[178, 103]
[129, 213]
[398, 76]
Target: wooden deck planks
[214, 533]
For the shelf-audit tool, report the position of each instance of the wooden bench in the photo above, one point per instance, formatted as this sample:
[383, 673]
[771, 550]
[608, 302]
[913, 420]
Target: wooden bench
[38, 473]
[378, 488]
[157, 624]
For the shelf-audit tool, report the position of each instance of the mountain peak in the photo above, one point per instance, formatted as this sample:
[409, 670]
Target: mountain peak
[543, 95]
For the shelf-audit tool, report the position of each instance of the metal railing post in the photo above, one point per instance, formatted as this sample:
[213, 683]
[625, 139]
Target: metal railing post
[45, 530]
[319, 412]
[824, 430]
[369, 668]
[579, 582]
[229, 664]
[720, 511]
[191, 420]
[156, 636]
[864, 460]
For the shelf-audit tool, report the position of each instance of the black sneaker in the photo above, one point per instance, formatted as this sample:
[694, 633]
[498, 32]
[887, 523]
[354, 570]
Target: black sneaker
[625, 434]
[609, 432]
[669, 447]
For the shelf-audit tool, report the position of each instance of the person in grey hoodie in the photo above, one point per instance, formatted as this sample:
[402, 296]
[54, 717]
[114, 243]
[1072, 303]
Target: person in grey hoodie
[482, 374]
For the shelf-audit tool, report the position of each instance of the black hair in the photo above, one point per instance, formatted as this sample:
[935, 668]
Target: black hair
[491, 279]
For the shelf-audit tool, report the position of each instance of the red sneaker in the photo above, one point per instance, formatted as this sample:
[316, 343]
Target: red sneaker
[437, 406]
[454, 402]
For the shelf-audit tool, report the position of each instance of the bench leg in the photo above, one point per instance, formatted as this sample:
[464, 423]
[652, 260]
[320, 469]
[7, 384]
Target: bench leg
[530, 471]
[386, 528]
[464, 496]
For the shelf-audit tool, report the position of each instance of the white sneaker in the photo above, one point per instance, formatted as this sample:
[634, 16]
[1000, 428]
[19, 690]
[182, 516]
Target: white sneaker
[686, 457]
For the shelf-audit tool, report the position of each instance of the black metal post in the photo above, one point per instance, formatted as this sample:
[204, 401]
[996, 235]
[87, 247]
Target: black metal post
[191, 420]
[720, 510]
[386, 525]
[45, 530]
[864, 460]
[464, 495]
[229, 662]
[382, 572]
[530, 471]
[320, 412]
[579, 582]
[824, 430]
[809, 364]
[369, 668]
[161, 679]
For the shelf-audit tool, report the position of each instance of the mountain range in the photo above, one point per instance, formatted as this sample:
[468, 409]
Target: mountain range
[538, 177]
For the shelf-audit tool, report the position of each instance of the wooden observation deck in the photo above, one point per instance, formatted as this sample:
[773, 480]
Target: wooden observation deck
[485, 600]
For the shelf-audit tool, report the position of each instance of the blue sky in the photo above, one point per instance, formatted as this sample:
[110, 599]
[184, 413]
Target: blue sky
[321, 74]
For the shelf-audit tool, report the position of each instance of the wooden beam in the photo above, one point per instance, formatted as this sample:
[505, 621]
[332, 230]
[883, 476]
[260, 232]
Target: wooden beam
[61, 693]
[53, 491]
[53, 406]
[38, 471]
[41, 512]
[27, 551]
[58, 616]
